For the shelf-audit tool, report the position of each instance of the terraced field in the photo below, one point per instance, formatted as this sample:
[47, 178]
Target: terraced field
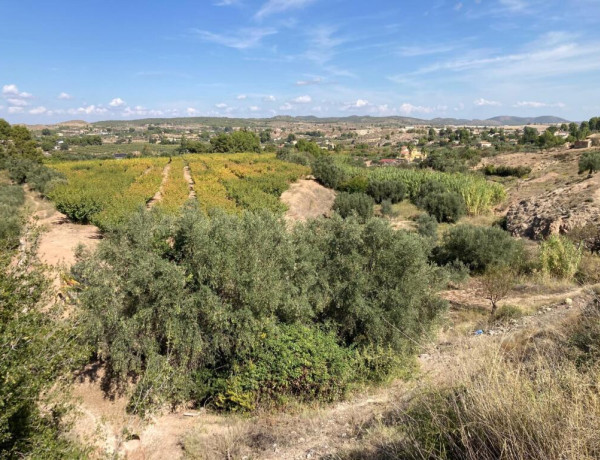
[107, 192]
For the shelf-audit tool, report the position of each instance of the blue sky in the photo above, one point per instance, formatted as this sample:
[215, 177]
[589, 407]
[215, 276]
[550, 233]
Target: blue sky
[98, 60]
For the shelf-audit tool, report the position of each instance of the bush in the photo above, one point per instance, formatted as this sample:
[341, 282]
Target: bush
[185, 318]
[444, 206]
[348, 204]
[479, 247]
[357, 184]
[12, 198]
[328, 173]
[505, 171]
[35, 350]
[427, 226]
[387, 209]
[559, 257]
[381, 190]
[589, 161]
[285, 361]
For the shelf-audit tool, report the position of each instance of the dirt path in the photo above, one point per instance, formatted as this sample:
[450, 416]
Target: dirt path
[187, 174]
[307, 199]
[59, 236]
[159, 194]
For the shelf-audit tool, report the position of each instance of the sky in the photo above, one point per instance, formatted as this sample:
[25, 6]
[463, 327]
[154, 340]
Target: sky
[99, 60]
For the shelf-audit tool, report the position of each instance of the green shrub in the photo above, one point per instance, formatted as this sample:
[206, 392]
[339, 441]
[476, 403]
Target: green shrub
[357, 184]
[186, 318]
[444, 206]
[12, 198]
[286, 361]
[589, 161]
[348, 204]
[35, 350]
[427, 226]
[387, 209]
[559, 257]
[505, 171]
[381, 190]
[479, 247]
[328, 173]
[506, 313]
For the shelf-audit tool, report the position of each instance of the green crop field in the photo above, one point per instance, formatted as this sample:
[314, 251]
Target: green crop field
[106, 192]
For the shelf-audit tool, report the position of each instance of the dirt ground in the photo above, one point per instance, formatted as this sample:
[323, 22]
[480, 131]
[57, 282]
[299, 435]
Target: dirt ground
[307, 199]
[59, 236]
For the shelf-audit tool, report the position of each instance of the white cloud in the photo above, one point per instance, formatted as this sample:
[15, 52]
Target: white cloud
[241, 97]
[361, 103]
[64, 96]
[141, 111]
[314, 81]
[241, 39]
[286, 106]
[191, 111]
[279, 6]
[17, 102]
[221, 105]
[13, 90]
[88, 110]
[302, 99]
[254, 108]
[481, 102]
[269, 98]
[38, 110]
[117, 102]
[409, 109]
[15, 109]
[537, 105]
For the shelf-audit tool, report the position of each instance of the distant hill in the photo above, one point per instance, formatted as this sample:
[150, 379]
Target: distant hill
[514, 121]
[354, 119]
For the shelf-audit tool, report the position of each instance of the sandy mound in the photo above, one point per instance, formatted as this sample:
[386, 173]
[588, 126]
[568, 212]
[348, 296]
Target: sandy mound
[307, 199]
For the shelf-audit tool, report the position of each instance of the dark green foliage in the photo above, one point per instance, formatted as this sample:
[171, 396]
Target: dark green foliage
[479, 247]
[451, 160]
[209, 315]
[284, 361]
[505, 171]
[293, 156]
[530, 135]
[589, 161]
[380, 190]
[357, 184]
[328, 173]
[386, 208]
[35, 349]
[350, 204]
[309, 147]
[427, 226]
[236, 142]
[11, 220]
[444, 206]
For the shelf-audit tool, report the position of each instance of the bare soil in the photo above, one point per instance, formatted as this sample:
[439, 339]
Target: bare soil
[59, 236]
[159, 193]
[188, 177]
[307, 199]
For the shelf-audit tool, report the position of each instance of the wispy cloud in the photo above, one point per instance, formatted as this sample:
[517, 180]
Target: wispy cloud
[481, 102]
[64, 96]
[302, 99]
[314, 81]
[424, 50]
[537, 105]
[280, 6]
[241, 40]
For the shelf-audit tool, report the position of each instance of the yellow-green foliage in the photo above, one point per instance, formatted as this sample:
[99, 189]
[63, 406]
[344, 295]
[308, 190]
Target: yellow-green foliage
[176, 190]
[107, 192]
[559, 257]
[479, 194]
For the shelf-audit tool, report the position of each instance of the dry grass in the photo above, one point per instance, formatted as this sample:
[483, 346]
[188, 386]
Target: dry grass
[529, 398]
